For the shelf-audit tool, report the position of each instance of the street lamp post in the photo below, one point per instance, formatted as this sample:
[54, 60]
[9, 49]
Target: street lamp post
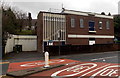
[59, 38]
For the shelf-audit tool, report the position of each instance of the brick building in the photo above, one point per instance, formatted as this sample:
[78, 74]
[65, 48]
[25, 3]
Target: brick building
[74, 28]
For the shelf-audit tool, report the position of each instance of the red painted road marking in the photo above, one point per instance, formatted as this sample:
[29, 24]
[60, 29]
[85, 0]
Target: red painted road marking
[71, 70]
[83, 70]
[32, 64]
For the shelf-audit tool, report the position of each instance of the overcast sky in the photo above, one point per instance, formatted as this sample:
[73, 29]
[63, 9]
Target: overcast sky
[35, 6]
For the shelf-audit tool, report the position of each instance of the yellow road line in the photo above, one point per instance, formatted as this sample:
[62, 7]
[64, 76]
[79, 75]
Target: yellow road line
[4, 62]
[4, 76]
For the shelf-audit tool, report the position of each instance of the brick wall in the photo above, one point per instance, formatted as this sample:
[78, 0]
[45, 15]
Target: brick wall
[39, 32]
[85, 31]
[75, 49]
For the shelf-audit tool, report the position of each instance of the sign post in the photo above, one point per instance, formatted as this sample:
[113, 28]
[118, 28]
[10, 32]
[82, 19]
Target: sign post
[46, 60]
[59, 38]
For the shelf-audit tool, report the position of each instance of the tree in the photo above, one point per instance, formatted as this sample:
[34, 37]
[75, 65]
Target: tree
[109, 14]
[29, 20]
[9, 23]
[103, 13]
[21, 19]
[117, 26]
[12, 21]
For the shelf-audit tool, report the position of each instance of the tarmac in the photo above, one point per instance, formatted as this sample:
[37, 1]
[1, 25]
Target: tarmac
[28, 56]
[35, 56]
[23, 56]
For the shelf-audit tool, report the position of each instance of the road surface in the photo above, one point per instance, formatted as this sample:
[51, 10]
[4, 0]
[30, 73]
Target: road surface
[91, 65]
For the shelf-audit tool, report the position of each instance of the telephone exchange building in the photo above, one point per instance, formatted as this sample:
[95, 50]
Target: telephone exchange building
[74, 28]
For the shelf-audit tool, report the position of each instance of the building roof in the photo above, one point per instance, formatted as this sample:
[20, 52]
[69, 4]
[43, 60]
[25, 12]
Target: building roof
[51, 12]
[65, 12]
[85, 13]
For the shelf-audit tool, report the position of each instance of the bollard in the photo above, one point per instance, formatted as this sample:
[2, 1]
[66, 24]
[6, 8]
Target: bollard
[46, 60]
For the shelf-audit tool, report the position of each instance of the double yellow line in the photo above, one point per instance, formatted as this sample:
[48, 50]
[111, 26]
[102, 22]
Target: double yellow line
[4, 76]
[4, 62]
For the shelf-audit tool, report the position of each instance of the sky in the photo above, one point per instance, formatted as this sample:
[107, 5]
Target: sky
[35, 6]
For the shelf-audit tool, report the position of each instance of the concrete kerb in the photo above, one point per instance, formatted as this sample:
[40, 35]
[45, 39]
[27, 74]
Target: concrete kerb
[26, 72]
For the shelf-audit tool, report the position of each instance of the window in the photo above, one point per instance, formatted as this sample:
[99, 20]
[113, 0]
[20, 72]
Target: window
[91, 26]
[100, 24]
[81, 23]
[44, 17]
[107, 25]
[48, 18]
[91, 39]
[52, 18]
[72, 22]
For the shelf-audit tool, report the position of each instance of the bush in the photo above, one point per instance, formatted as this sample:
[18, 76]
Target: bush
[25, 32]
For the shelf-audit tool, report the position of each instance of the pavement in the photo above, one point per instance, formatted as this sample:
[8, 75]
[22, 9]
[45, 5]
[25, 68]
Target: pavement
[14, 60]
[23, 56]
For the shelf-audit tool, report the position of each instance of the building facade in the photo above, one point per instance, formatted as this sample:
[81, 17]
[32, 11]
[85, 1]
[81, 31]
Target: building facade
[74, 28]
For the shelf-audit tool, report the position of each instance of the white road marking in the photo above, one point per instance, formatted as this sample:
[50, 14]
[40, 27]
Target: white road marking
[104, 70]
[94, 70]
[76, 69]
[103, 58]
[40, 63]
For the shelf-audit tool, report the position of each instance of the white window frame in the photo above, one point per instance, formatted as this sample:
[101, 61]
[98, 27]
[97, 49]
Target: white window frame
[72, 22]
[100, 23]
[81, 23]
[107, 24]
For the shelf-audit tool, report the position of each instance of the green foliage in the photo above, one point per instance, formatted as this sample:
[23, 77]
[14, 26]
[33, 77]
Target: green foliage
[117, 25]
[25, 32]
[9, 23]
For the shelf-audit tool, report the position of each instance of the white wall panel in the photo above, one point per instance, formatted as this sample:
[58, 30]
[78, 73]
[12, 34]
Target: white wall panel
[29, 43]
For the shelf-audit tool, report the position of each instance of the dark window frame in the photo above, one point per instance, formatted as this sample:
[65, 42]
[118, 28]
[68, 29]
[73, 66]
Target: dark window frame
[90, 27]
